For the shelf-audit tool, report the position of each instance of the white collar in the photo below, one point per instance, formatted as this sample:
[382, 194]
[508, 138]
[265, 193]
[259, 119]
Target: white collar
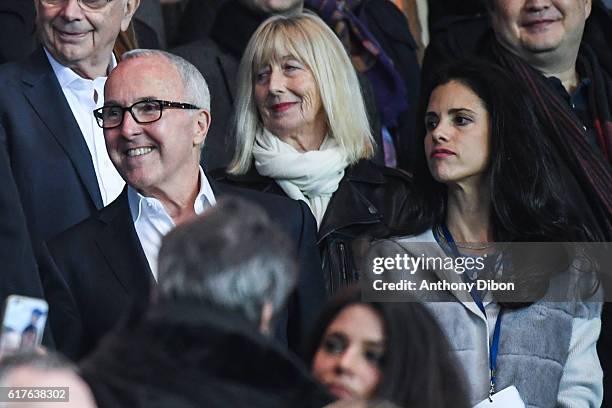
[66, 76]
[204, 198]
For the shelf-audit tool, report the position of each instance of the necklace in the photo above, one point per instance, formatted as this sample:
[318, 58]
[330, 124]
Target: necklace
[442, 234]
[468, 245]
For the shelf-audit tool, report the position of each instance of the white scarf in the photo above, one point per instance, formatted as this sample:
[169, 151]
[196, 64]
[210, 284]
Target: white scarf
[311, 176]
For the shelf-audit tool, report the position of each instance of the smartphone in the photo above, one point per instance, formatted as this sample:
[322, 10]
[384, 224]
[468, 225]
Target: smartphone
[23, 323]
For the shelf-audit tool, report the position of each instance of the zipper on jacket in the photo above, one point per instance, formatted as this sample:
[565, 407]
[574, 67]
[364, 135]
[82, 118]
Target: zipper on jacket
[328, 265]
[343, 262]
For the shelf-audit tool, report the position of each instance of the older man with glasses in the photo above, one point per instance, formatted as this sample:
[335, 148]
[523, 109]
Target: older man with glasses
[56, 150]
[155, 117]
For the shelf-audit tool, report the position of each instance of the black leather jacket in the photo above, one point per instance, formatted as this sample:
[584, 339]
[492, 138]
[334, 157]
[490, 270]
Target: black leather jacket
[371, 201]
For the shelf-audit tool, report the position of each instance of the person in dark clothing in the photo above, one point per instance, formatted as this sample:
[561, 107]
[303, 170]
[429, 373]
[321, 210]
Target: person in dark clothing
[303, 132]
[204, 341]
[197, 20]
[377, 37]
[441, 12]
[109, 260]
[19, 270]
[149, 25]
[46, 127]
[17, 30]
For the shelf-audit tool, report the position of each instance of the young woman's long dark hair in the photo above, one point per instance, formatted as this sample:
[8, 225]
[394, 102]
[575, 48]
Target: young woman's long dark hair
[528, 192]
[532, 198]
[418, 369]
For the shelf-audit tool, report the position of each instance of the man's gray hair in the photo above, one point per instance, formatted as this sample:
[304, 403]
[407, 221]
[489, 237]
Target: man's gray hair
[196, 88]
[49, 361]
[231, 258]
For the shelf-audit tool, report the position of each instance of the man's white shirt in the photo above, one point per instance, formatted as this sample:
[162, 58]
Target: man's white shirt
[79, 93]
[152, 222]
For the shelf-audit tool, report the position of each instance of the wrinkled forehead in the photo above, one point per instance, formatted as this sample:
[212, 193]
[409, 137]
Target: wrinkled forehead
[281, 43]
[144, 77]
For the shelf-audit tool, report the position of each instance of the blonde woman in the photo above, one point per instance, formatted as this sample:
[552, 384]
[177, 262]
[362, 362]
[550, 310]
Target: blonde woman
[302, 131]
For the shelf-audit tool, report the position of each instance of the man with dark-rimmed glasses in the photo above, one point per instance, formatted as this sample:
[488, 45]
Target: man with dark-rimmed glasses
[155, 117]
[145, 111]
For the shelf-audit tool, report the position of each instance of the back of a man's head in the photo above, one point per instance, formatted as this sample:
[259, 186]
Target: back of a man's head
[50, 372]
[231, 258]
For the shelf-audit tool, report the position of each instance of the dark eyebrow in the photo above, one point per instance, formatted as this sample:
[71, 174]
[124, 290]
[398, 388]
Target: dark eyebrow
[459, 110]
[368, 343]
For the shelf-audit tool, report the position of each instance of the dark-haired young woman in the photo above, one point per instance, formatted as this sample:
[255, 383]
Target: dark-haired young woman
[490, 176]
[383, 350]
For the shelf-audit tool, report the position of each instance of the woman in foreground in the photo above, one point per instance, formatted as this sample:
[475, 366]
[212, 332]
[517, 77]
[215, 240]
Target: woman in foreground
[384, 351]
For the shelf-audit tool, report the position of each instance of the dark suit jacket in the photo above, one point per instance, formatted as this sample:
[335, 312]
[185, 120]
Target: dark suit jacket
[18, 269]
[100, 268]
[17, 30]
[50, 161]
[220, 71]
[149, 13]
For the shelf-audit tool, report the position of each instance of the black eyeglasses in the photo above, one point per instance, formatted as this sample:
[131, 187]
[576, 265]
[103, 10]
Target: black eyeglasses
[147, 111]
[85, 4]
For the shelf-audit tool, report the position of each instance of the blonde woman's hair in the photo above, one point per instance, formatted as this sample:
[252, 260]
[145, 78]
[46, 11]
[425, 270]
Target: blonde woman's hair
[305, 37]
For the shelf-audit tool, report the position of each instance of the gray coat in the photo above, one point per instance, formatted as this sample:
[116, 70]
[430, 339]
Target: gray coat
[546, 350]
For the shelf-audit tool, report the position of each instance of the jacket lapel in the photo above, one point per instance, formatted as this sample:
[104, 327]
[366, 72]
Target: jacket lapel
[47, 99]
[119, 243]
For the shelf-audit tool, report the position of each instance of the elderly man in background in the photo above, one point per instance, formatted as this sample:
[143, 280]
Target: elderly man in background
[56, 151]
[155, 119]
[53, 162]
[204, 341]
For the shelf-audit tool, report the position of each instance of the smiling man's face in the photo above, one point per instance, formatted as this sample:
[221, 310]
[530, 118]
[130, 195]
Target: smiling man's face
[78, 37]
[532, 27]
[153, 157]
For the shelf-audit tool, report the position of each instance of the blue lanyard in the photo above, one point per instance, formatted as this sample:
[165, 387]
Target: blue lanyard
[497, 332]
[493, 354]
